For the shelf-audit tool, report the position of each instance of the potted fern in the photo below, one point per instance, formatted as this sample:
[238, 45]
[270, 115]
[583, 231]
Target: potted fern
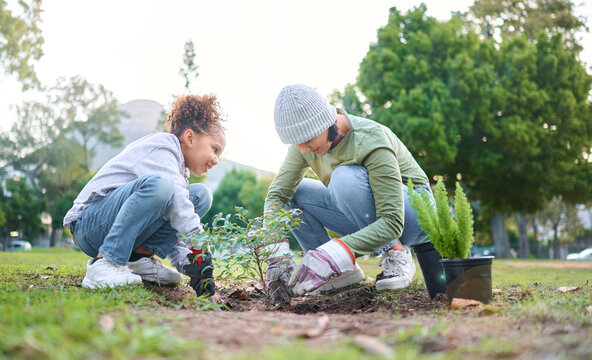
[452, 237]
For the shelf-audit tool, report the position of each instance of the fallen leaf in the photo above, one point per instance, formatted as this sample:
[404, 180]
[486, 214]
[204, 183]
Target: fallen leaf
[566, 289]
[496, 291]
[106, 322]
[373, 346]
[240, 294]
[276, 330]
[458, 303]
[319, 330]
[44, 277]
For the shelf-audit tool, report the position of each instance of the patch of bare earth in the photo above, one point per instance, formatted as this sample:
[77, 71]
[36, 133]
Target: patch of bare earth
[248, 325]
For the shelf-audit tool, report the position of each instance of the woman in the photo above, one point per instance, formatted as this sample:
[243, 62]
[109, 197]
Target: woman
[363, 168]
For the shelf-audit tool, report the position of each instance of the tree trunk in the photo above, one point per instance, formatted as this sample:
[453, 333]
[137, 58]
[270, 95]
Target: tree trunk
[524, 248]
[500, 235]
[535, 236]
[52, 238]
[556, 247]
[55, 236]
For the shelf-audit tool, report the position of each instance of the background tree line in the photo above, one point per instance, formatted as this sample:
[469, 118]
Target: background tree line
[496, 98]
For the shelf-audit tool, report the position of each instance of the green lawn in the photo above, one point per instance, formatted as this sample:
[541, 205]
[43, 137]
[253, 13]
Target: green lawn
[45, 314]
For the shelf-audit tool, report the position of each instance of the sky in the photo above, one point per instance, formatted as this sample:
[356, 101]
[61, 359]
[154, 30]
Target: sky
[246, 52]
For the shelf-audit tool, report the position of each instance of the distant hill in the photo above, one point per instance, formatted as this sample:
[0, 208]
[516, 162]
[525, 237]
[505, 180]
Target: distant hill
[142, 119]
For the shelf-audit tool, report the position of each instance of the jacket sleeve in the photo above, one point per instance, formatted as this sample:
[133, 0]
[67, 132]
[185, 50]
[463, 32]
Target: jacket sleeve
[386, 184]
[167, 161]
[286, 182]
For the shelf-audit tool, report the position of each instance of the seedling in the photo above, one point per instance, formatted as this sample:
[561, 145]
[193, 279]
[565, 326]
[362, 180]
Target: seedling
[241, 244]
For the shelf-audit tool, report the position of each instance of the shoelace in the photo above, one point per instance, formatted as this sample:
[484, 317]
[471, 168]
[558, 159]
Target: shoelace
[158, 264]
[395, 261]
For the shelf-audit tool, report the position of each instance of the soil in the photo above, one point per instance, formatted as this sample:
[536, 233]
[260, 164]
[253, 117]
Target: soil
[248, 324]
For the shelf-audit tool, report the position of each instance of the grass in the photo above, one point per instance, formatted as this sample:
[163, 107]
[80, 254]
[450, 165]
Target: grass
[45, 314]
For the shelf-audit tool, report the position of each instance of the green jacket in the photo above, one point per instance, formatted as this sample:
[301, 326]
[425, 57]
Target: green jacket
[388, 162]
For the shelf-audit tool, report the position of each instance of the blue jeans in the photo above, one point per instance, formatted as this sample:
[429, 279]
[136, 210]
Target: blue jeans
[345, 207]
[132, 216]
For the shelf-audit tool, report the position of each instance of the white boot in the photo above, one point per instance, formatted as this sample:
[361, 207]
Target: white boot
[103, 273]
[152, 269]
[398, 270]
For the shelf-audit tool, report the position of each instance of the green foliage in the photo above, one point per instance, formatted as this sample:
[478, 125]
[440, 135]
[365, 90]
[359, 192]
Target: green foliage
[22, 208]
[189, 68]
[452, 237]
[503, 115]
[238, 188]
[21, 41]
[243, 245]
[90, 114]
[53, 142]
[498, 19]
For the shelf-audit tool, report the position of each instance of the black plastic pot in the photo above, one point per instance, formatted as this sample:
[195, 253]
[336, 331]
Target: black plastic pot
[468, 278]
[429, 262]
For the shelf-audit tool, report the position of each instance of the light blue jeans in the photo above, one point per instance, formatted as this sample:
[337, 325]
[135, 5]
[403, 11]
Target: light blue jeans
[132, 216]
[345, 207]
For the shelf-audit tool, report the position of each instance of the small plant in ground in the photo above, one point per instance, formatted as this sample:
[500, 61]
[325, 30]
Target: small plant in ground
[241, 245]
[452, 237]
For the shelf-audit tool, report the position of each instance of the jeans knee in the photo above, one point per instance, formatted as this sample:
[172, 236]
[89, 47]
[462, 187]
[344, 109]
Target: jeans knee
[201, 196]
[162, 187]
[344, 180]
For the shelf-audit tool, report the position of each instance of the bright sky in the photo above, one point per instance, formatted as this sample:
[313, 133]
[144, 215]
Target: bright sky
[246, 52]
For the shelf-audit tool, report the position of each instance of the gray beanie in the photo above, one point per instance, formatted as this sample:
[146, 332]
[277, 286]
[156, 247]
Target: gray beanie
[301, 113]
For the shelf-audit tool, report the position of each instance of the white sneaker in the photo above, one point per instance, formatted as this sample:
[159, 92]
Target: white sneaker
[103, 273]
[152, 269]
[398, 270]
[345, 279]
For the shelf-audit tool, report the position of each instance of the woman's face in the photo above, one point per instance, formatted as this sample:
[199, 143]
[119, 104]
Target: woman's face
[319, 145]
[202, 151]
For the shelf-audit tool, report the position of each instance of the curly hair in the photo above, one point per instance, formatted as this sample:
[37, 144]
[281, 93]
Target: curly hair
[198, 113]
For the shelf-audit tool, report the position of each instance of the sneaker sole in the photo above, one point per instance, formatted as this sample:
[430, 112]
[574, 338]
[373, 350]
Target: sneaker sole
[391, 284]
[88, 283]
[154, 279]
[346, 279]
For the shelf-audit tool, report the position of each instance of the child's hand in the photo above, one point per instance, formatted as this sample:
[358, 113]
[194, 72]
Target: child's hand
[202, 276]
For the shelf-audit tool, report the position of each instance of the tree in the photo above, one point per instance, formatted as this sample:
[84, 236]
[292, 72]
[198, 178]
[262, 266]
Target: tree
[226, 196]
[52, 143]
[505, 19]
[21, 41]
[188, 71]
[501, 117]
[22, 209]
[428, 81]
[189, 68]
[90, 114]
[541, 22]
[252, 195]
[562, 218]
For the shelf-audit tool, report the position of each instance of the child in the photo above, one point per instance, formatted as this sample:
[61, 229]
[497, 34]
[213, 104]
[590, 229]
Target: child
[139, 202]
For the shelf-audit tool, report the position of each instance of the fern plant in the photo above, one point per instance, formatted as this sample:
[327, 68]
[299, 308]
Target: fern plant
[451, 237]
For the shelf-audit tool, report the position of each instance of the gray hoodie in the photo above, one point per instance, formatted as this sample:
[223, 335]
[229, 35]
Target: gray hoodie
[154, 153]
